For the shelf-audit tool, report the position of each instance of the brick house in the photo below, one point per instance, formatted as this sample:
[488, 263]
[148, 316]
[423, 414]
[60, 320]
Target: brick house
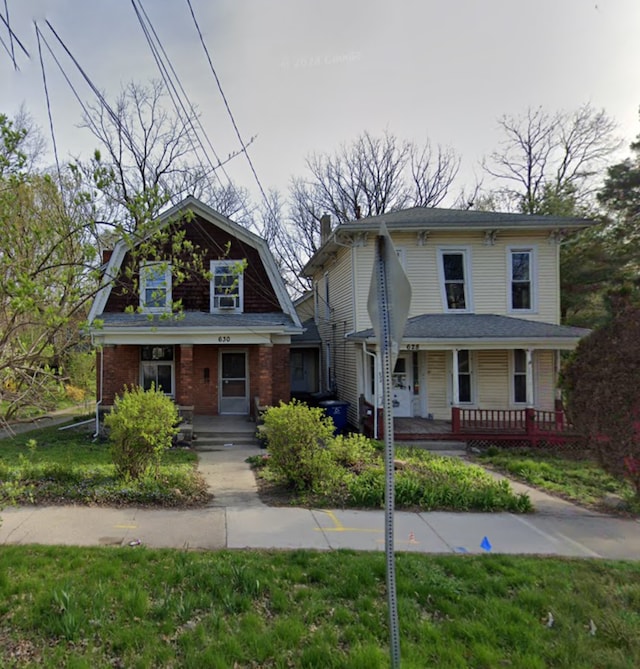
[225, 345]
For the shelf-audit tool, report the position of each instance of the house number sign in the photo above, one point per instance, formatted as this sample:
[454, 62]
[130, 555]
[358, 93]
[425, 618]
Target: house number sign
[224, 339]
[413, 347]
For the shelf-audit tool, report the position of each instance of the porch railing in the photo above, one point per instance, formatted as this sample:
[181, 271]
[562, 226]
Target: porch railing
[530, 422]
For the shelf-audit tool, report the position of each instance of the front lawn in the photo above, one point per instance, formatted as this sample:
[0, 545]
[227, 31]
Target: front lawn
[136, 607]
[578, 480]
[50, 466]
[423, 481]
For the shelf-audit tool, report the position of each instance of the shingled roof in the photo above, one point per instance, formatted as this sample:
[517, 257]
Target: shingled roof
[466, 329]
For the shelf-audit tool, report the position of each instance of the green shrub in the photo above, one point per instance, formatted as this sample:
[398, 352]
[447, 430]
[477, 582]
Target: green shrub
[297, 439]
[141, 427]
[353, 450]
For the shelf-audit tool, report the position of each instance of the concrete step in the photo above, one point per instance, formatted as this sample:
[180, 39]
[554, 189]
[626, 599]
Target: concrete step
[224, 441]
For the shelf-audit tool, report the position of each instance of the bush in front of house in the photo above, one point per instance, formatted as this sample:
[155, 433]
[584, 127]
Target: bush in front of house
[601, 382]
[141, 427]
[297, 439]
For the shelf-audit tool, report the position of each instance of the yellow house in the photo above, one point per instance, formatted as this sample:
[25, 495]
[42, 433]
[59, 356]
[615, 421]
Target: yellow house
[483, 333]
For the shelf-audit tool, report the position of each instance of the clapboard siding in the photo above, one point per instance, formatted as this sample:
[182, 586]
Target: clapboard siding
[489, 274]
[544, 380]
[492, 379]
[437, 401]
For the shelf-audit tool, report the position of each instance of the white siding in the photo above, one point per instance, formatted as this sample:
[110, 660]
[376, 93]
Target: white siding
[489, 273]
[545, 387]
[492, 377]
[437, 385]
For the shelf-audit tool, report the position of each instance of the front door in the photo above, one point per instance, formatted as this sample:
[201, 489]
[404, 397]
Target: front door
[402, 386]
[234, 386]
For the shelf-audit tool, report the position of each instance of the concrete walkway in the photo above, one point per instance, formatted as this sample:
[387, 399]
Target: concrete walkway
[236, 518]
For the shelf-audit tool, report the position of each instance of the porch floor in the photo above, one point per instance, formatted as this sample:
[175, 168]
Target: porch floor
[226, 424]
[412, 429]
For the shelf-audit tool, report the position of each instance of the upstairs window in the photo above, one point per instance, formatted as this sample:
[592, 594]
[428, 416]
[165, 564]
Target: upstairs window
[155, 286]
[227, 286]
[521, 279]
[454, 279]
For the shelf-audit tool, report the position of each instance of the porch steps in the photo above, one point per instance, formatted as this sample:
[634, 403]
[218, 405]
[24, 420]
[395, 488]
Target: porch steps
[214, 440]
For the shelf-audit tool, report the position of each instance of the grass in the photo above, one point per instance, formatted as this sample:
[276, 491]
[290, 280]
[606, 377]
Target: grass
[578, 480]
[48, 466]
[424, 482]
[148, 608]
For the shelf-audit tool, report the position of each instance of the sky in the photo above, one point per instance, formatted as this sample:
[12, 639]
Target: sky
[306, 76]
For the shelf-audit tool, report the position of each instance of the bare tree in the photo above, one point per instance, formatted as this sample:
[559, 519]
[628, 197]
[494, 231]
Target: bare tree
[152, 157]
[550, 155]
[368, 177]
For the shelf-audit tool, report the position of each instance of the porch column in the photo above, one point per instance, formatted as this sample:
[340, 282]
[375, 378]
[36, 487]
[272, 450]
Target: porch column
[529, 353]
[184, 382]
[454, 379]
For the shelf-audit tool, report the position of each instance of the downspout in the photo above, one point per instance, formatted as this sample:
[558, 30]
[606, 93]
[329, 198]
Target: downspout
[375, 389]
[99, 402]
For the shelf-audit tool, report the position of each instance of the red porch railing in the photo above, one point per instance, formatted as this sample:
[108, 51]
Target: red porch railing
[531, 424]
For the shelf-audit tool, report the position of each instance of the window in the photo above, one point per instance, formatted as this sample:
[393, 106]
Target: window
[464, 377]
[521, 279]
[155, 286]
[227, 283]
[454, 278]
[519, 376]
[157, 368]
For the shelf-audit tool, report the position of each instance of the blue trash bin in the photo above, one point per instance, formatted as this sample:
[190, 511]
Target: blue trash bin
[337, 411]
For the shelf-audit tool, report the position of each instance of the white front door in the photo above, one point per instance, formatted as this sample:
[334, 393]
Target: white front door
[402, 386]
[234, 384]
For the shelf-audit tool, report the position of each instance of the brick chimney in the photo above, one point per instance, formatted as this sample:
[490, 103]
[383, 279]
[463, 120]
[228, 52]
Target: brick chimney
[325, 228]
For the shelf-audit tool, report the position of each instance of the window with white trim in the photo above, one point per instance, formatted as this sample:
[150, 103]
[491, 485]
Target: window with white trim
[454, 277]
[521, 279]
[464, 377]
[156, 368]
[155, 286]
[519, 376]
[227, 286]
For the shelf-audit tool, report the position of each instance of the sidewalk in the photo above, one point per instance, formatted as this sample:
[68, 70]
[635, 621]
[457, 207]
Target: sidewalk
[236, 518]
[49, 420]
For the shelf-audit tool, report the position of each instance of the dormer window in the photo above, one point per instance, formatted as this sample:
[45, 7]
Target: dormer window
[155, 286]
[227, 294]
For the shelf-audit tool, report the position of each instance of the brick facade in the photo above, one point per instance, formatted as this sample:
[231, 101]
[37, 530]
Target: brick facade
[121, 366]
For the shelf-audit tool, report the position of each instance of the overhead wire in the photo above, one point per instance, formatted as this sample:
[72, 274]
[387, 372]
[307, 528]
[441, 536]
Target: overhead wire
[12, 54]
[171, 88]
[163, 61]
[228, 108]
[15, 38]
[48, 101]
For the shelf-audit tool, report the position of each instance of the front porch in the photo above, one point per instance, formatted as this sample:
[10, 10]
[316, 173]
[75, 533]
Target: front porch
[527, 425]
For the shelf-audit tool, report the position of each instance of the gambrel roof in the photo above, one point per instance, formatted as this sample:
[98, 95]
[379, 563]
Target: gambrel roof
[175, 213]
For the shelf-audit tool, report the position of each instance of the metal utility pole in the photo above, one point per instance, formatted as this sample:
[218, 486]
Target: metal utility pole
[388, 306]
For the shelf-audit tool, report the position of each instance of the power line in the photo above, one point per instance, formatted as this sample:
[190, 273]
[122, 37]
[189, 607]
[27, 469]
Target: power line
[13, 38]
[12, 54]
[171, 86]
[226, 104]
[46, 94]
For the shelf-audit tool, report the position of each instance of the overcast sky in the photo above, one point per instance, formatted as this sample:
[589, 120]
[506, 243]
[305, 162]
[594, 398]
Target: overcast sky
[308, 75]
